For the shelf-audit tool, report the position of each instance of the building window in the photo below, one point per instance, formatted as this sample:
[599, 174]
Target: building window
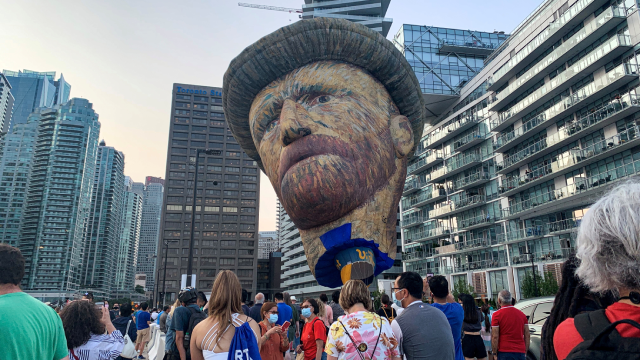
[230, 209]
[216, 108]
[172, 233]
[228, 243]
[248, 210]
[231, 185]
[245, 273]
[210, 234]
[174, 207]
[229, 217]
[229, 234]
[248, 194]
[247, 227]
[245, 262]
[247, 218]
[183, 105]
[247, 243]
[224, 261]
[216, 137]
[227, 251]
[249, 186]
[232, 169]
[212, 208]
[247, 235]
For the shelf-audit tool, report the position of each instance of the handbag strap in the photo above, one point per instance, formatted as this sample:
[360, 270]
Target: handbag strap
[356, 346]
[127, 331]
[74, 355]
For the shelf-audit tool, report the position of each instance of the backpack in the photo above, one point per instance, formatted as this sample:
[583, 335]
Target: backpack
[602, 340]
[194, 319]
[244, 344]
[326, 329]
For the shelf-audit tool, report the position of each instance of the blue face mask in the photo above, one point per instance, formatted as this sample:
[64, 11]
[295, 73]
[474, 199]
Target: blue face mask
[306, 312]
[395, 300]
[273, 318]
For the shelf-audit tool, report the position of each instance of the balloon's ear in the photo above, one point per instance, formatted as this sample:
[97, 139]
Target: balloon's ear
[402, 135]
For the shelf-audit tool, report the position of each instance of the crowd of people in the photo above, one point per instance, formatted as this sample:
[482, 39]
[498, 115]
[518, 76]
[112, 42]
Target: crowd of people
[595, 313]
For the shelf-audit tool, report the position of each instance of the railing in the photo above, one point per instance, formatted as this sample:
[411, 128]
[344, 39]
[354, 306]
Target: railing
[478, 220]
[433, 156]
[424, 234]
[477, 265]
[470, 179]
[446, 130]
[573, 156]
[413, 218]
[426, 195]
[468, 138]
[538, 256]
[442, 210]
[462, 160]
[438, 173]
[506, 138]
[416, 255]
[519, 234]
[474, 44]
[468, 201]
[596, 181]
[472, 244]
[564, 225]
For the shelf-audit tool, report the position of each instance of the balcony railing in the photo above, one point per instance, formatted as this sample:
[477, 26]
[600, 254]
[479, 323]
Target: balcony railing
[593, 182]
[456, 164]
[566, 225]
[427, 234]
[413, 185]
[426, 196]
[469, 140]
[476, 222]
[522, 234]
[471, 180]
[477, 265]
[472, 244]
[432, 158]
[542, 256]
[413, 219]
[441, 211]
[449, 131]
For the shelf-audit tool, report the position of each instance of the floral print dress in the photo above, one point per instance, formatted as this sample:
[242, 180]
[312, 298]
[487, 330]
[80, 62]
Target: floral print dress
[364, 327]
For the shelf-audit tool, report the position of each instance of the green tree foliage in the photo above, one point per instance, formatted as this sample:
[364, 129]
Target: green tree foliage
[546, 285]
[461, 287]
[377, 295]
[139, 289]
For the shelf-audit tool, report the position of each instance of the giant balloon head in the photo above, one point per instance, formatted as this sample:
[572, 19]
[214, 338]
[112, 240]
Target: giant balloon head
[331, 111]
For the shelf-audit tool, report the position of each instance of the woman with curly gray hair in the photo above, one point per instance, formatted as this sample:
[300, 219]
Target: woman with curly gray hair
[609, 251]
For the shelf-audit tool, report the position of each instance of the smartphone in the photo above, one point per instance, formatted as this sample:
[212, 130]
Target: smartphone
[106, 305]
[285, 326]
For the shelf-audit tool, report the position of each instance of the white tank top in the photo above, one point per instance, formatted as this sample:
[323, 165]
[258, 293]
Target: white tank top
[210, 337]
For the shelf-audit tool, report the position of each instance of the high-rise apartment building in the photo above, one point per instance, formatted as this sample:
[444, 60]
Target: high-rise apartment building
[370, 13]
[267, 243]
[126, 263]
[153, 196]
[227, 195]
[32, 90]
[58, 200]
[507, 170]
[104, 228]
[6, 103]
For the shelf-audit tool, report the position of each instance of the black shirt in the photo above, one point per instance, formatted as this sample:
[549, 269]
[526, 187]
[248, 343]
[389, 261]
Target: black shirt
[387, 312]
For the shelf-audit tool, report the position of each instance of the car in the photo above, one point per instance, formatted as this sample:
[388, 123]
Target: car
[537, 311]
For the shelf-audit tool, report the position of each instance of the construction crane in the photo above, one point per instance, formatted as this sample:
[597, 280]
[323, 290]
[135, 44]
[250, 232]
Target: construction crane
[275, 8]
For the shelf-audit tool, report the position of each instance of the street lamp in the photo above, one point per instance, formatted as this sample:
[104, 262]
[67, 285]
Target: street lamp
[193, 210]
[533, 270]
[155, 280]
[164, 278]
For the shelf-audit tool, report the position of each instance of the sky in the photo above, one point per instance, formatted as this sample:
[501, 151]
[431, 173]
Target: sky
[124, 56]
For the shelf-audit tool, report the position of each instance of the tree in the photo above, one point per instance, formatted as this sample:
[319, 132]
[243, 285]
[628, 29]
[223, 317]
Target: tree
[546, 285]
[461, 287]
[139, 289]
[377, 295]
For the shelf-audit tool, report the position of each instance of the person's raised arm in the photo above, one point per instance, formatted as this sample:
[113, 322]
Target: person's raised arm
[106, 320]
[527, 337]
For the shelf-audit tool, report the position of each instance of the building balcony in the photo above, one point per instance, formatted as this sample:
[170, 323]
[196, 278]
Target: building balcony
[466, 47]
[411, 186]
[554, 255]
[455, 207]
[469, 140]
[591, 62]
[428, 234]
[563, 226]
[479, 265]
[471, 244]
[571, 160]
[440, 270]
[477, 222]
[554, 32]
[433, 158]
[441, 212]
[582, 193]
[450, 131]
[417, 253]
[456, 165]
[412, 219]
[529, 233]
[427, 196]
[605, 22]
[473, 180]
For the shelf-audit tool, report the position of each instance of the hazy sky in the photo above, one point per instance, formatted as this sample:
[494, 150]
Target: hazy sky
[124, 56]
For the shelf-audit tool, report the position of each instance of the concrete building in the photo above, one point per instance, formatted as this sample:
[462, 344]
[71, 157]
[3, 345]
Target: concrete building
[227, 196]
[58, 200]
[6, 103]
[370, 13]
[505, 172]
[126, 263]
[32, 90]
[153, 195]
[269, 274]
[267, 243]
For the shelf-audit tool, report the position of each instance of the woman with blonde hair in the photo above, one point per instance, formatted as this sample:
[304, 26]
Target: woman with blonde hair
[213, 337]
[361, 333]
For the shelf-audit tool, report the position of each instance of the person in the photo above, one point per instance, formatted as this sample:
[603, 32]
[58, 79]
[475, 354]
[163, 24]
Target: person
[201, 301]
[143, 319]
[572, 298]
[88, 296]
[31, 329]
[275, 342]
[257, 307]
[212, 337]
[154, 314]
[443, 301]
[386, 310]
[300, 324]
[367, 327]
[314, 333]
[322, 313]
[115, 312]
[485, 332]
[294, 329]
[328, 310]
[607, 246]
[124, 321]
[170, 338]
[472, 344]
[180, 321]
[335, 306]
[162, 318]
[509, 330]
[90, 333]
[245, 297]
[284, 311]
[417, 341]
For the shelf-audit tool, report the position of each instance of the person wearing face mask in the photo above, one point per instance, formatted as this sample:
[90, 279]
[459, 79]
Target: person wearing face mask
[274, 343]
[314, 333]
[396, 305]
[422, 331]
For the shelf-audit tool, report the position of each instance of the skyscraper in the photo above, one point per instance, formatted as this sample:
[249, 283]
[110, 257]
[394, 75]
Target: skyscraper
[32, 90]
[227, 196]
[267, 243]
[6, 103]
[153, 195]
[369, 13]
[58, 198]
[129, 240]
[104, 228]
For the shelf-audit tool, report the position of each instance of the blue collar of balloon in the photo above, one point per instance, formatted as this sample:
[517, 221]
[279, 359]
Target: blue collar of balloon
[346, 258]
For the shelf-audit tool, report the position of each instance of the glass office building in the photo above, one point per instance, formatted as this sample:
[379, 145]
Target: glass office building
[6, 103]
[130, 238]
[370, 13]
[503, 175]
[153, 195]
[227, 196]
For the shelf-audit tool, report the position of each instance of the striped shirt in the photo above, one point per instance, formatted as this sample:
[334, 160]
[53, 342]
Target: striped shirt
[99, 347]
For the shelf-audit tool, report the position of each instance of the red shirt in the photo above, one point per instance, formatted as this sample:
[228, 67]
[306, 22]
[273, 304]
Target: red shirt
[311, 332]
[567, 336]
[511, 322]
